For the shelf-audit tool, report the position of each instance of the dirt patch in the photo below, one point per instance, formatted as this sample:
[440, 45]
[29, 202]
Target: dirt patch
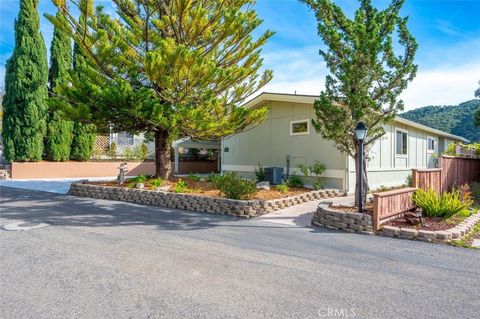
[206, 188]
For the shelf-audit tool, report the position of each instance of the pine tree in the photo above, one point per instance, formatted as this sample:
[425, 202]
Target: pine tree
[366, 74]
[58, 138]
[171, 68]
[83, 134]
[26, 76]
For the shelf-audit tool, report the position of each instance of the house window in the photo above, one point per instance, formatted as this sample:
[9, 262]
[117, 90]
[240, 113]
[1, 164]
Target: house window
[431, 144]
[402, 141]
[299, 127]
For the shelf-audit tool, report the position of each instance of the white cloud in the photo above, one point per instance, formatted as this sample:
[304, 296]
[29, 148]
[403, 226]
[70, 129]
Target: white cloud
[298, 70]
[442, 86]
[451, 82]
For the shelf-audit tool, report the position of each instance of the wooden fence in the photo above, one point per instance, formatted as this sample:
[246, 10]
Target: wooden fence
[459, 171]
[453, 171]
[428, 178]
[390, 204]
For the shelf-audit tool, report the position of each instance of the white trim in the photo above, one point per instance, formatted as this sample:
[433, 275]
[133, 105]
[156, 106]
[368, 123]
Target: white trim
[300, 133]
[332, 173]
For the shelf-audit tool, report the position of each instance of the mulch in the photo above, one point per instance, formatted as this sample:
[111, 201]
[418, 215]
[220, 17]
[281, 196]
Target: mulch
[205, 188]
[430, 223]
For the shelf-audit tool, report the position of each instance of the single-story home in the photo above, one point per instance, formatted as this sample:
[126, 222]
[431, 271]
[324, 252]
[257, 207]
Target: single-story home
[287, 136]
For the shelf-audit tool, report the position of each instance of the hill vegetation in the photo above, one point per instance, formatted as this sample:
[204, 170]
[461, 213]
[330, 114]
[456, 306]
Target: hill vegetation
[454, 119]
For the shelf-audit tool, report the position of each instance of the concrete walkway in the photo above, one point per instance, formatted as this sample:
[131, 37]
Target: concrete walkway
[301, 215]
[298, 215]
[54, 185]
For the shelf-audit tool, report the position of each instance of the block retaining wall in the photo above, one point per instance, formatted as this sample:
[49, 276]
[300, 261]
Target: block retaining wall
[346, 221]
[362, 223]
[221, 206]
[458, 232]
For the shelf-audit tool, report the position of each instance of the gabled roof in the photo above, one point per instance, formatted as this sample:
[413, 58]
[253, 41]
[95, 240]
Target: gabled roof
[309, 99]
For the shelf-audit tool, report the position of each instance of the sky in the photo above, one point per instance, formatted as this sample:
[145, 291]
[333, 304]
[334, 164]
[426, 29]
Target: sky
[448, 34]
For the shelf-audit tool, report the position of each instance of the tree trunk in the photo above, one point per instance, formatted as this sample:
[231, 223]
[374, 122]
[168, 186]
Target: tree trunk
[163, 163]
[357, 180]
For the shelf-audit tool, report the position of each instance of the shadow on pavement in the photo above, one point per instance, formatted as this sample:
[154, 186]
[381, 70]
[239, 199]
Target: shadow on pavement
[56, 209]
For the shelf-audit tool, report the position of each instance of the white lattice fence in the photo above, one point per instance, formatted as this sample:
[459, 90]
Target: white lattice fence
[128, 148]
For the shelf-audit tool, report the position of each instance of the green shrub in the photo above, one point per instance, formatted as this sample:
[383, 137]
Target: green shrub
[317, 169]
[318, 185]
[128, 154]
[234, 187]
[451, 149]
[304, 169]
[212, 178]
[112, 150]
[408, 180]
[181, 187]
[260, 173]
[295, 181]
[435, 205]
[193, 178]
[156, 182]
[141, 152]
[138, 179]
[283, 188]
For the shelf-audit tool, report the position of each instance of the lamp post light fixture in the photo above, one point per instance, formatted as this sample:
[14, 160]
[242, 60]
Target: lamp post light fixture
[360, 134]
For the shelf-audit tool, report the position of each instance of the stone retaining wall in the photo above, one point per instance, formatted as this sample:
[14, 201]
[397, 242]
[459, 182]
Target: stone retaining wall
[349, 222]
[222, 206]
[455, 233]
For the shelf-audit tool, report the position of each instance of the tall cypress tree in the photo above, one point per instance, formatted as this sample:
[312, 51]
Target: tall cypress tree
[58, 138]
[83, 134]
[26, 76]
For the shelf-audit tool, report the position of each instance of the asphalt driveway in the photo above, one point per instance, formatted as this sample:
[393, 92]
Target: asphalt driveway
[106, 259]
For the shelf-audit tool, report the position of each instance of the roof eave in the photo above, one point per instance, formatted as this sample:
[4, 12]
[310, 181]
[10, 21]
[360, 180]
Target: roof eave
[285, 97]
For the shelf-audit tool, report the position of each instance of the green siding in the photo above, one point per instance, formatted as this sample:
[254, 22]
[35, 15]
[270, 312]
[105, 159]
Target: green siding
[269, 144]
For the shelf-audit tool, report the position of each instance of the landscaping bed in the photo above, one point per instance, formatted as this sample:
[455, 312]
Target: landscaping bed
[455, 232]
[205, 188]
[429, 223]
[450, 216]
[226, 195]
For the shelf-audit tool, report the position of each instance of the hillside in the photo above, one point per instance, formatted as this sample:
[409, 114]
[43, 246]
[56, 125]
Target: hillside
[454, 119]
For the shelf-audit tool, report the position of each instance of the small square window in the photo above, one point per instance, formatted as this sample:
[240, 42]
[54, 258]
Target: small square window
[299, 127]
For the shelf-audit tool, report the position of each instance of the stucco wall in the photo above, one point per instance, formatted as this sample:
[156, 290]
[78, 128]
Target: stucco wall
[269, 144]
[72, 169]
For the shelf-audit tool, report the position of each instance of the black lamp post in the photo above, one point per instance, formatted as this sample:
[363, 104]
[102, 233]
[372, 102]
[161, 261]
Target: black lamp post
[360, 133]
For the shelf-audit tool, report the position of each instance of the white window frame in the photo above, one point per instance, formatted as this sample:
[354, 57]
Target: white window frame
[300, 133]
[396, 142]
[435, 143]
